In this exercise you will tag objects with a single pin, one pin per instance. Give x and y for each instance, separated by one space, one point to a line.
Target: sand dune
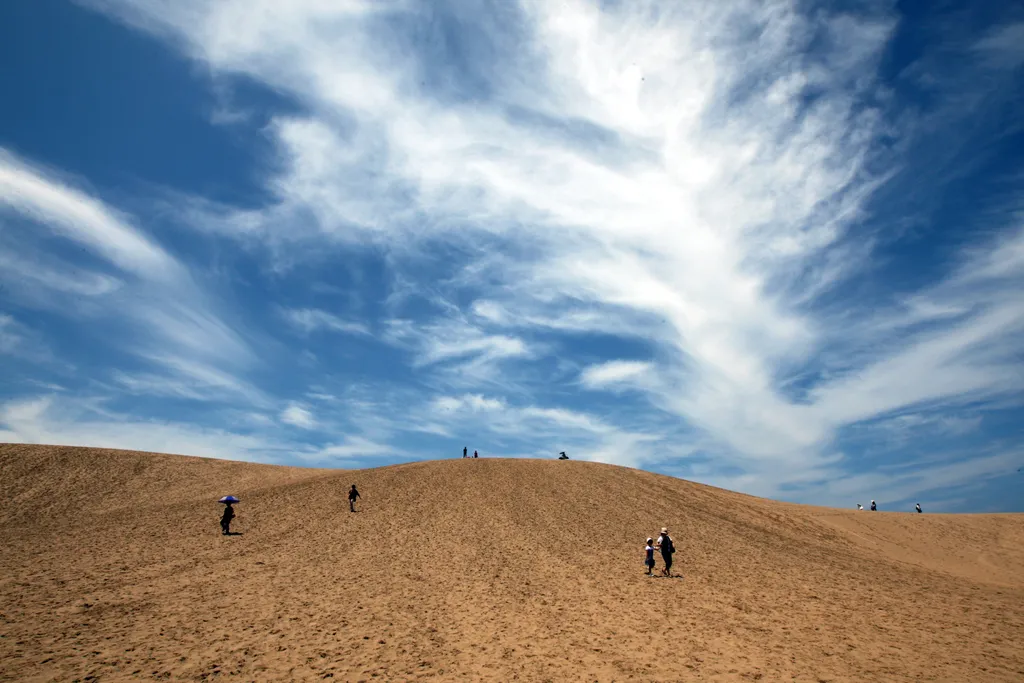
112 568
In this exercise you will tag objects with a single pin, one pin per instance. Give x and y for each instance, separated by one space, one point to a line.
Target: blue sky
772 246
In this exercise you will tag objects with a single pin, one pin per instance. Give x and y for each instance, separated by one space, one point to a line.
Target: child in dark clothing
352 495
225 520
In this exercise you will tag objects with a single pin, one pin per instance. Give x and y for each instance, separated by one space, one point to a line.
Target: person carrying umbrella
229 514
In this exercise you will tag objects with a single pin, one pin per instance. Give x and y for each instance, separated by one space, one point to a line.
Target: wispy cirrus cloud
37 194
311 320
172 321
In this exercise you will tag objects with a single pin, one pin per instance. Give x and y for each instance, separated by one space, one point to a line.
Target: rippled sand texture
112 567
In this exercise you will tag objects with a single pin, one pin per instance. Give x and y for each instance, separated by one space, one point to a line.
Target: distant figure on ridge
352 495
873 506
649 556
666 547
465 452
859 506
918 507
563 456
229 514
475 454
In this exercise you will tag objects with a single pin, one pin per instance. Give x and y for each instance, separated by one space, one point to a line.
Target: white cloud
614 372
28 191
161 314
1003 47
190 379
349 449
18 273
66 422
471 402
9 337
310 320
463 353
298 416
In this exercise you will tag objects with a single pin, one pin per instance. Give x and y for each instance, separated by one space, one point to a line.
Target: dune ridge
112 568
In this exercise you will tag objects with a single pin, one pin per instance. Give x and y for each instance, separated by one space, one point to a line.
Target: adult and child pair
666 547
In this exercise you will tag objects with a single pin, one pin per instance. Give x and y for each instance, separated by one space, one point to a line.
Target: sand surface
112 567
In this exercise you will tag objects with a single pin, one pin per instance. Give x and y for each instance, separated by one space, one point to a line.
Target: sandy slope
112 567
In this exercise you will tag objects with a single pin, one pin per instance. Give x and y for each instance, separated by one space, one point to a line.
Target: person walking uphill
352 495
667 548
229 514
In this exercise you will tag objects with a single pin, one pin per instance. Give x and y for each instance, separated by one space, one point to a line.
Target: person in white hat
649 556
666 547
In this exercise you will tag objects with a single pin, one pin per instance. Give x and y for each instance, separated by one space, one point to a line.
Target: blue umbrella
228 499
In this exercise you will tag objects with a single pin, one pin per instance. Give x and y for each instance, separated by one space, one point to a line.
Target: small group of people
465 453
874 507
663 545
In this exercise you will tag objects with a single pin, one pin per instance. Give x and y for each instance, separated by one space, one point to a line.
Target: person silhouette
352 495
563 456
465 452
918 507
475 454
873 506
667 548
225 519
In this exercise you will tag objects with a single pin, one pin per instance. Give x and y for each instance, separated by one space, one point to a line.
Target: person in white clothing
649 556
